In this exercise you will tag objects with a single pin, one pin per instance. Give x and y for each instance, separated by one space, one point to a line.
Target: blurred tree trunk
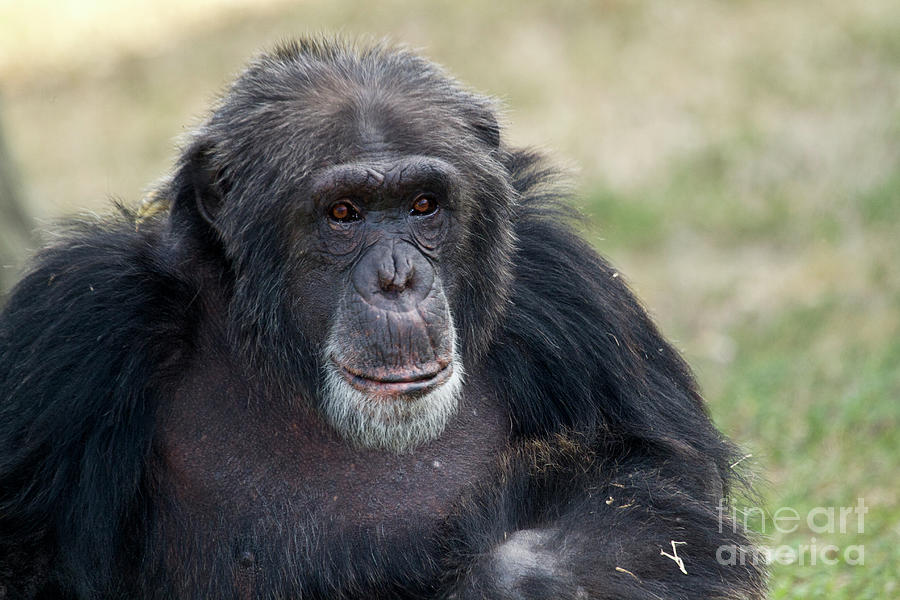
15 224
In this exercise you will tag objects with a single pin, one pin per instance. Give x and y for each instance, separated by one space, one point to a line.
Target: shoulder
88 324
83 339
87 328
100 282
577 350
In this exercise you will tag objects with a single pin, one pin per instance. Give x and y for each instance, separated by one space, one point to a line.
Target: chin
391 417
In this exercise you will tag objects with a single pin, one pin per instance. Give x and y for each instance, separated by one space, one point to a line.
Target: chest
229 457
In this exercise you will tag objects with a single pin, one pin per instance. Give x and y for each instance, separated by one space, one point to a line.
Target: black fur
612 455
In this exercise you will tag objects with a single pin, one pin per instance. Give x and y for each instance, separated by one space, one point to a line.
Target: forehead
334 108
284 125
355 122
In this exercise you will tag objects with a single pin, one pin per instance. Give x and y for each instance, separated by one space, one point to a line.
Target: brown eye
423 205
343 212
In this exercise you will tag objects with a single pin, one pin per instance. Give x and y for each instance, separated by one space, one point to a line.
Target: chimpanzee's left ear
199 190
486 126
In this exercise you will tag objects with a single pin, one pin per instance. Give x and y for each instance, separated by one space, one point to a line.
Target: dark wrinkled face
392 372
363 214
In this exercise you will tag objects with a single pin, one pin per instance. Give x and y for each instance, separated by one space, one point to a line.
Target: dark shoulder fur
578 351
83 340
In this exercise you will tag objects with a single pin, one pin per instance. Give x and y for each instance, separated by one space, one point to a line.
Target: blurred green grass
739 161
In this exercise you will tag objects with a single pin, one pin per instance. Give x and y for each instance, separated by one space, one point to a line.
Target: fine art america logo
821 520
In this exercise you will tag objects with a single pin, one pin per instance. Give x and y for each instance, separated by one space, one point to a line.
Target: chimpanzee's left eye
423 204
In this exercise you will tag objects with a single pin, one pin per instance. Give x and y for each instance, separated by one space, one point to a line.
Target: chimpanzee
360 353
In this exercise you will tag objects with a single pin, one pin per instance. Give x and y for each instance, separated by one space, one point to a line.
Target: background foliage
739 161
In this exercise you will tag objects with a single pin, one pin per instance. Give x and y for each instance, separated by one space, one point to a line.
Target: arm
77 343
569 524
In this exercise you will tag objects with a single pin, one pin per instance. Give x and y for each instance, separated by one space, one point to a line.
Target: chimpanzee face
368 228
392 373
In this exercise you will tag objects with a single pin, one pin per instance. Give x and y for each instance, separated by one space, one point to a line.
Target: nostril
398 280
387 277
392 289
385 281
391 293
404 275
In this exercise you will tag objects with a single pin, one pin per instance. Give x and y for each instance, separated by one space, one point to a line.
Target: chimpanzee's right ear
199 190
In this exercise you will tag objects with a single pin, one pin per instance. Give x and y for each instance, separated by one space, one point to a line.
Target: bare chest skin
232 458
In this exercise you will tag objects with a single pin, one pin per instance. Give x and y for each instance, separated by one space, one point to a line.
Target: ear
486 127
199 191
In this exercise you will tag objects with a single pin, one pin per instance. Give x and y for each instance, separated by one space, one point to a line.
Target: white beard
399 423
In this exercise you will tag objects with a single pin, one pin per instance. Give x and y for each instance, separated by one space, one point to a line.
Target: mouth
396 383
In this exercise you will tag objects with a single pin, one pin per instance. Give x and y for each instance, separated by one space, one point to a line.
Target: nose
396 271
393 275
